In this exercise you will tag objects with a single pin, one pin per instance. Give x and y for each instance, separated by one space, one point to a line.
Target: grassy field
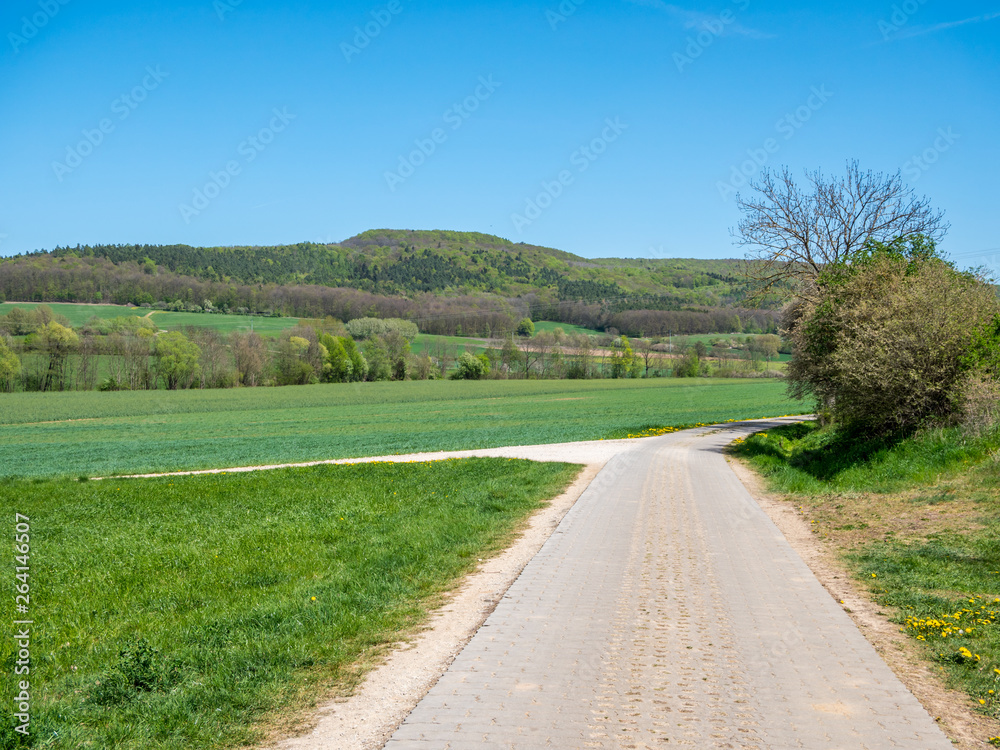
544 325
917 522
78 314
71 434
426 343
194 612
171 321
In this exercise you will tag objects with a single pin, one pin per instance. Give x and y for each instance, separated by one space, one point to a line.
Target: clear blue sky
692 90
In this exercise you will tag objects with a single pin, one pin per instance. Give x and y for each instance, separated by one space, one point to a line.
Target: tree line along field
70 347
99 434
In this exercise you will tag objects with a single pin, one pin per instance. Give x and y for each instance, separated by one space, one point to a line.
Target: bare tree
250 357
792 232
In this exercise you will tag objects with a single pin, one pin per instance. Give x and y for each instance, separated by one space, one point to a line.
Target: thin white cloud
694 19
907 33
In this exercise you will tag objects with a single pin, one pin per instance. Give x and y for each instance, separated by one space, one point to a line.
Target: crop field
171 321
545 325
426 343
197 612
98 434
78 314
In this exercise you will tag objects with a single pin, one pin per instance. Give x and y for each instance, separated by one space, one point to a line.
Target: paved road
668 611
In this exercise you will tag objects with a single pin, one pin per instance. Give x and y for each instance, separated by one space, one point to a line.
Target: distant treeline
41 351
47 278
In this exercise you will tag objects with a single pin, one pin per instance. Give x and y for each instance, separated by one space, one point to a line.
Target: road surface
667 610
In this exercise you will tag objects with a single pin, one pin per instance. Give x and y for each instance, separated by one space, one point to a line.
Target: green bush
883 342
367 328
472 367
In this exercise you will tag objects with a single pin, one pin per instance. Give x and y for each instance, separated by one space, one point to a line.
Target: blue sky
602 127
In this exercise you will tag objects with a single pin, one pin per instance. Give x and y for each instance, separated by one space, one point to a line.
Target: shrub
368 328
883 344
980 403
472 367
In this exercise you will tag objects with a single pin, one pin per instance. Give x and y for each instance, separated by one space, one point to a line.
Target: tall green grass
187 612
805 459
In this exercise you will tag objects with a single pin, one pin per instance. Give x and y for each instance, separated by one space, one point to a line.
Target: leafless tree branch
792 232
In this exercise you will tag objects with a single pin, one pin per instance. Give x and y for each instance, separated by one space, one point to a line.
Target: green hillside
402 262
448 283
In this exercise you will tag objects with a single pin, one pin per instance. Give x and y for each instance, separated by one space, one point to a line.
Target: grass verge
194 611
917 522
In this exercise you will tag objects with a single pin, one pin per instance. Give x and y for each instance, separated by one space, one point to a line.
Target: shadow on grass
821 453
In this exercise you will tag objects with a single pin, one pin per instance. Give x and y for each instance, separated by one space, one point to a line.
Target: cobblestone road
668 611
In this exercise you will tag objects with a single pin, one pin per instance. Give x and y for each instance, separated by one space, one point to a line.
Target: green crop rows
72 434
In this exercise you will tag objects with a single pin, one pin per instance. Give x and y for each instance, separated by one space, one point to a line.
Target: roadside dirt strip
668 610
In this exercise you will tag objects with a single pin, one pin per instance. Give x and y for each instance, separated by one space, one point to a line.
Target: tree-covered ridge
403 263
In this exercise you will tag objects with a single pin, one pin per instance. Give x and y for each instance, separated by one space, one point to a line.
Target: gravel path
668 610
589 452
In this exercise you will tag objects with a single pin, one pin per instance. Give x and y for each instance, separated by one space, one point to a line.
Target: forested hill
447 282
400 263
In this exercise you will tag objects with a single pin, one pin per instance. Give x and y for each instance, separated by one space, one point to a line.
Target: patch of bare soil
821 546
366 719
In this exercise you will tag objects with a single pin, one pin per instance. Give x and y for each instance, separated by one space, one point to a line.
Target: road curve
667 610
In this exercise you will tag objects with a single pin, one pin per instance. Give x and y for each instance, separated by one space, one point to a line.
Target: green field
545 325
170 321
71 434
77 315
173 321
426 343
253 594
